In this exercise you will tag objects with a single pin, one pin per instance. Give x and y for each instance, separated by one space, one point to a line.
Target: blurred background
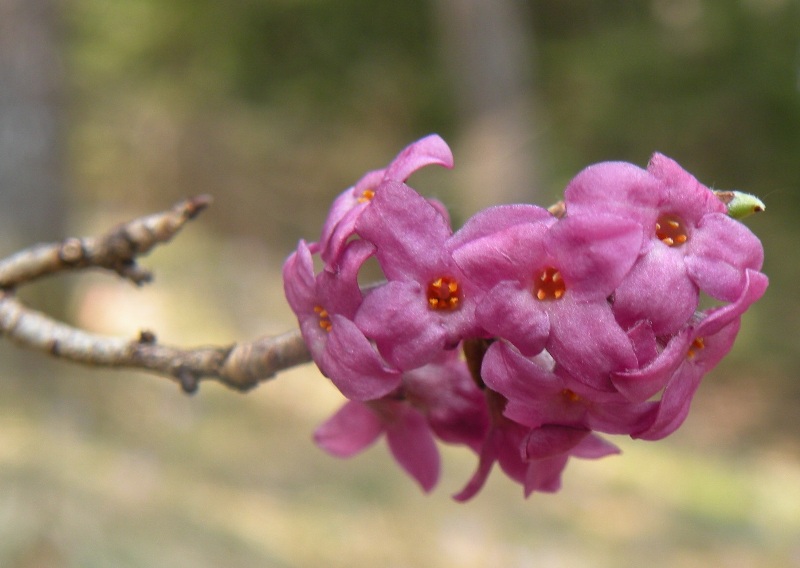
111 109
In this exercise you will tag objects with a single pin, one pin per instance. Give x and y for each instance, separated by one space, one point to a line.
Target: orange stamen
324 318
671 231
444 293
366 195
549 285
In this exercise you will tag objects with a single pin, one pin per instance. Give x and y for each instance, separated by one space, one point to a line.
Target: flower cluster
528 332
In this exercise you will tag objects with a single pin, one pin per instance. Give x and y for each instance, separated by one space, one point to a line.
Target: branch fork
240 366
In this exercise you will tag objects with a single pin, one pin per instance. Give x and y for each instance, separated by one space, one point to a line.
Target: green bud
740 204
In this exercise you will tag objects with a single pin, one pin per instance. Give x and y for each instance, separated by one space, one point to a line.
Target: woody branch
240 366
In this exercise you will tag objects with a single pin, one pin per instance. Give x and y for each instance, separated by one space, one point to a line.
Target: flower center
696 346
549 285
570 395
444 293
671 231
366 195
324 318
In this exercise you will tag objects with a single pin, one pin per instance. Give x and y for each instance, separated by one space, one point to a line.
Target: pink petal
427 151
353 428
353 365
721 249
657 290
587 342
513 314
551 440
409 232
412 445
593 252
299 283
499 218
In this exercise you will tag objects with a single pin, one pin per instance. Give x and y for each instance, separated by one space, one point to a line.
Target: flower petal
619 188
513 314
657 290
407 333
353 428
353 365
409 232
721 250
430 150
499 218
299 283
411 442
587 342
512 254
593 252
551 440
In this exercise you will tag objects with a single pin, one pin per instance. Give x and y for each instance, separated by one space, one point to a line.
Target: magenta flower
439 400
546 285
341 221
357 425
690 243
538 396
452 403
686 359
571 326
648 380
325 305
535 458
554 445
426 306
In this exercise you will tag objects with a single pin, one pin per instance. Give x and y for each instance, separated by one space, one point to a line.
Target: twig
240 366
117 250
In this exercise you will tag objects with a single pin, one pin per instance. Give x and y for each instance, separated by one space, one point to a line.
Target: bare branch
117 250
240 366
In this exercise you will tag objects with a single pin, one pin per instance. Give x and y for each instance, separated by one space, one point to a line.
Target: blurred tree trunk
31 190
31 180
488 48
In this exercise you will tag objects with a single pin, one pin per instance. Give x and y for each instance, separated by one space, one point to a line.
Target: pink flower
643 383
341 221
536 457
357 425
439 400
690 243
427 304
325 305
571 327
539 396
452 403
545 285
686 359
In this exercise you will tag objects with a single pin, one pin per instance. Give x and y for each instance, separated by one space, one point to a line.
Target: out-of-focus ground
274 108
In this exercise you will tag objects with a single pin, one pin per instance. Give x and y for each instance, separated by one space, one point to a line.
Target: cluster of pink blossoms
524 334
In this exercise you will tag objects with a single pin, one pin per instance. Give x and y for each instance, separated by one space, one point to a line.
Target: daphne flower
539 396
690 243
436 401
686 359
325 305
346 208
645 382
427 304
452 403
357 425
535 458
546 285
